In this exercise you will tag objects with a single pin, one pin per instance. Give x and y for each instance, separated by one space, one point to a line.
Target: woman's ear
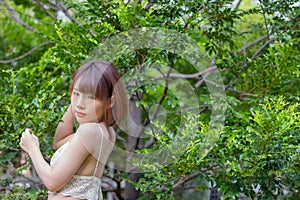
112 101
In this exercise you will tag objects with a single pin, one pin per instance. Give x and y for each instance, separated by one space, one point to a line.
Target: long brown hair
101 79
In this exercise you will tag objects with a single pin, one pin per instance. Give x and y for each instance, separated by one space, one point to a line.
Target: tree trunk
215 194
135 129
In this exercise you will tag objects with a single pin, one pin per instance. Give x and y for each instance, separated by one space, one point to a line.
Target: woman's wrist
34 151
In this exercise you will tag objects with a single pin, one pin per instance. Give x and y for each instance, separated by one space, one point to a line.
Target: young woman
98 103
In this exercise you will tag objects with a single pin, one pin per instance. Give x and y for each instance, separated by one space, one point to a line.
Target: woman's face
86 107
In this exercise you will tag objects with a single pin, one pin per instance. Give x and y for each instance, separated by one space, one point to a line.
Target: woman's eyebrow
76 89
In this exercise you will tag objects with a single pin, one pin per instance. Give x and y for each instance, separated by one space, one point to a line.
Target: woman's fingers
26 139
27 130
29 141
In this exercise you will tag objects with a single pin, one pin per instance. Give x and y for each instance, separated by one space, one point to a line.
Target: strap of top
101 144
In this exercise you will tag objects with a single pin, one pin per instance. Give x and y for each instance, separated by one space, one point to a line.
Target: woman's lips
79 114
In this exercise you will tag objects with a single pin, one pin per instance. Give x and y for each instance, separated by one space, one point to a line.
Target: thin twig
187 23
188 76
242 93
165 92
24 55
265 19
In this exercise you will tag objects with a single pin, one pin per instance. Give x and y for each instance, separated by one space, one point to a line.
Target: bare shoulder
96 131
88 128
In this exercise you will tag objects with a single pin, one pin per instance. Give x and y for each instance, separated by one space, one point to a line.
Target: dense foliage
253 44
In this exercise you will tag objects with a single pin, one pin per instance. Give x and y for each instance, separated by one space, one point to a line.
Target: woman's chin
80 121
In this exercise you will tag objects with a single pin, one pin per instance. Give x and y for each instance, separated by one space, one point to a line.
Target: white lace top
83 187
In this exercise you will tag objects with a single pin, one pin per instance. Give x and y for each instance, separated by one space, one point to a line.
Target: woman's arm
64 130
56 176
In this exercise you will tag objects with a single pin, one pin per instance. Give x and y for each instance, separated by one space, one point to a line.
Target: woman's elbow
55 145
52 187
53 184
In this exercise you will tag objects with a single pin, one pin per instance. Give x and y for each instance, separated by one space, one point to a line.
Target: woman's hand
29 142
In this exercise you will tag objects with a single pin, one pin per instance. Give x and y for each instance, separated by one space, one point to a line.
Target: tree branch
254 56
150 143
252 44
165 92
24 55
66 12
238 4
193 175
203 107
187 23
61 6
265 19
262 48
188 76
47 11
16 17
111 177
206 73
242 93
185 179
53 5
203 73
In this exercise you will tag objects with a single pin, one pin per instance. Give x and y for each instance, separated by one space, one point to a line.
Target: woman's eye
76 93
91 97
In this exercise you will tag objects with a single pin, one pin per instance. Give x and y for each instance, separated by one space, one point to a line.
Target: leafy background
255 46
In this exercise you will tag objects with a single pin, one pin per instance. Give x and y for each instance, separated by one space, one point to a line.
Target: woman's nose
80 103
